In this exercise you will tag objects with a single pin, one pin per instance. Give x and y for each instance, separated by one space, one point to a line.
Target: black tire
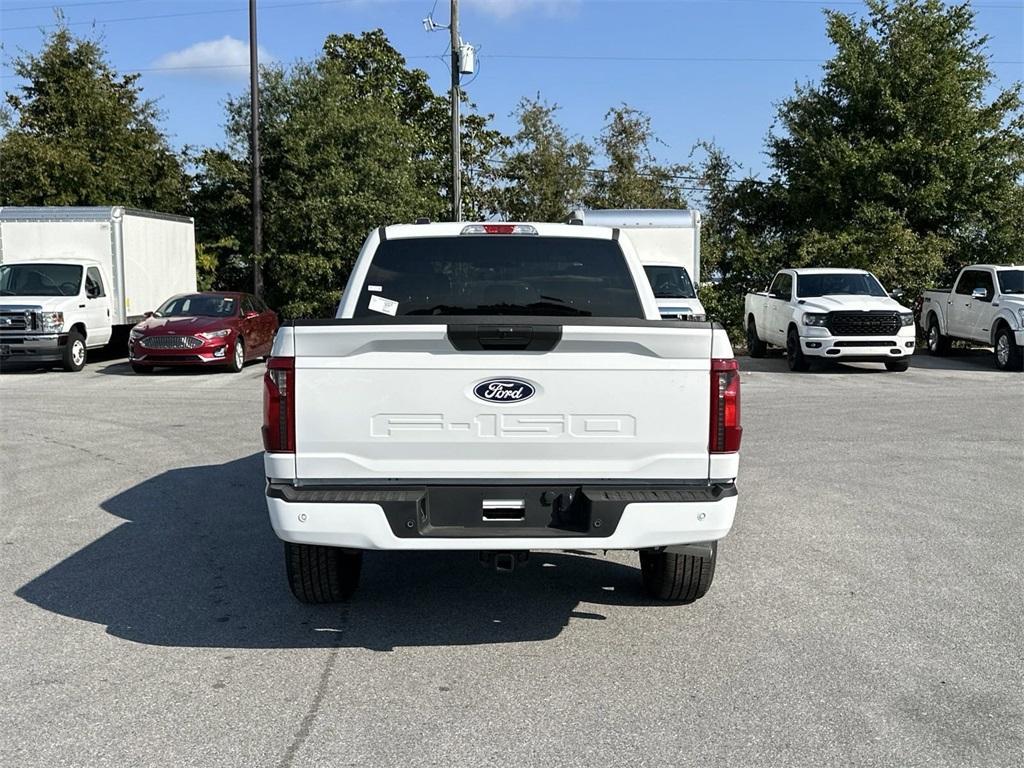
938 344
322 574
794 354
143 369
897 366
75 353
1009 356
755 347
237 362
677 578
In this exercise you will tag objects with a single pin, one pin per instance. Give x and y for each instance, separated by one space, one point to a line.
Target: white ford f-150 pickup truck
500 388
829 314
984 306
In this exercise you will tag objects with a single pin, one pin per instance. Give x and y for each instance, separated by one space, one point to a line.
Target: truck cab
54 310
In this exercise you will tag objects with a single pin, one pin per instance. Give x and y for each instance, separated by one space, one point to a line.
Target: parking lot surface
867 608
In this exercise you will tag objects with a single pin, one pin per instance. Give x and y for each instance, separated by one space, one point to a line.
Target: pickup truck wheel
321 574
677 578
794 354
755 347
937 343
74 352
1009 356
897 365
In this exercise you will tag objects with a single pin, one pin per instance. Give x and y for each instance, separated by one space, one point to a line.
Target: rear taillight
725 407
279 405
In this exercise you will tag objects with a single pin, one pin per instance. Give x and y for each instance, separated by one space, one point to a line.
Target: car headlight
51 322
815 318
136 334
215 334
906 318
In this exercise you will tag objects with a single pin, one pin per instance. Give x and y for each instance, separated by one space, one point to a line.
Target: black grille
864 323
16 320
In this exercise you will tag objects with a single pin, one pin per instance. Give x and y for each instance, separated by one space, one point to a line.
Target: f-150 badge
504 391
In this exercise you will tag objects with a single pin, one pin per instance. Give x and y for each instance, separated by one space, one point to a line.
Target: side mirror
897 294
250 315
979 293
147 314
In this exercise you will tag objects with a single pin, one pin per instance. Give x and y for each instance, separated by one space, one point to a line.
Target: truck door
778 312
980 311
96 308
959 318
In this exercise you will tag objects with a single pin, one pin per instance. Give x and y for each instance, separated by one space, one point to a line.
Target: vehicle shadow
775 362
958 360
103 355
196 564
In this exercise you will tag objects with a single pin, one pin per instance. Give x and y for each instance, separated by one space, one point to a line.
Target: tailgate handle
531 338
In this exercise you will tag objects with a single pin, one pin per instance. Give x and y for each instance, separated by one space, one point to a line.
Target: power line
50 6
659 59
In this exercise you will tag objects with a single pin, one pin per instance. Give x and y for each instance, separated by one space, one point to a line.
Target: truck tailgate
386 402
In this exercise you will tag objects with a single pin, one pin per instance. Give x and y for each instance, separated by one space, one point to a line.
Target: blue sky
702 69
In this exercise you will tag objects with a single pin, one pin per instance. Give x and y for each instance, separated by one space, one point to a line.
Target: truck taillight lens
725 407
279 405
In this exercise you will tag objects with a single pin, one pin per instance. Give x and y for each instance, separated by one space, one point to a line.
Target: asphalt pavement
868 607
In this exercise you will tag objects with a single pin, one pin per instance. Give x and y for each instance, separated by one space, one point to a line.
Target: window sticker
384 306
375 288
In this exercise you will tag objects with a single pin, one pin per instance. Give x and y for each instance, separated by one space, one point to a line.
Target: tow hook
503 562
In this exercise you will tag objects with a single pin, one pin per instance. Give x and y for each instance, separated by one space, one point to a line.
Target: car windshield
40 279
838 284
199 305
1011 280
670 282
499 275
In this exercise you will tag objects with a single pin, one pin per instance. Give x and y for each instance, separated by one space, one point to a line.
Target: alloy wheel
239 354
1003 350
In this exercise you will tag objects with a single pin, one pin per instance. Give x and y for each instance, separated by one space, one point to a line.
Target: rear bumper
35 347
399 518
818 342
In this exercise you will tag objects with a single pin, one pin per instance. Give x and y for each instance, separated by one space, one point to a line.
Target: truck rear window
499 275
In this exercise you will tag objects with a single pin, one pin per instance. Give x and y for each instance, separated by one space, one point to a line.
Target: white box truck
73 277
668 244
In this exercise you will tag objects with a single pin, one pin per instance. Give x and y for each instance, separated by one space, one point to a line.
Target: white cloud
224 58
505 8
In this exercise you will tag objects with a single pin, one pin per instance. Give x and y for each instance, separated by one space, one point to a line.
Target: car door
959 318
96 307
779 296
249 325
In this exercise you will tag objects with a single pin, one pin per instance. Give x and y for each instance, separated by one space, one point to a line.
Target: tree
77 133
634 178
898 161
351 141
544 172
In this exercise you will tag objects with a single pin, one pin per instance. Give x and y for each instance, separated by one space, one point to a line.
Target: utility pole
254 150
456 130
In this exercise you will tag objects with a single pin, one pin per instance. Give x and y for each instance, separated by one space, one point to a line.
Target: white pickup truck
829 314
985 306
500 388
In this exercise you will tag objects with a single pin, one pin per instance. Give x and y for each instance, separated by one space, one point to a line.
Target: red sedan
220 329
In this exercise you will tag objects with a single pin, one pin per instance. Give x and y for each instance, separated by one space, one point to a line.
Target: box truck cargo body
71 277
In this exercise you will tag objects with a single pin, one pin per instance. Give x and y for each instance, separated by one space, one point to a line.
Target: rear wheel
755 347
794 354
677 578
74 352
897 365
938 344
1009 356
321 574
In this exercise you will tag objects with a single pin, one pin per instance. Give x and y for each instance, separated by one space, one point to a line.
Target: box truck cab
71 279
667 242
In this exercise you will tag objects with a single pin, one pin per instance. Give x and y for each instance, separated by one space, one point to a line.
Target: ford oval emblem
504 390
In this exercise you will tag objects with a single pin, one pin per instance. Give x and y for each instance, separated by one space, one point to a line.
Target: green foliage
77 133
351 141
544 172
634 178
